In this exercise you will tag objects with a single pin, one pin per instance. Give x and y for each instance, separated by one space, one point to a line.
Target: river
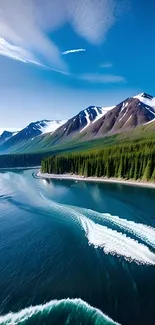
75 252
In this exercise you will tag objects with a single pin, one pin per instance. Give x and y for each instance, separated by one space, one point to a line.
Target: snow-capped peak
35 129
46 126
146 99
99 112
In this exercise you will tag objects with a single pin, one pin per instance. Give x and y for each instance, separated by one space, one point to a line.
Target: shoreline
18 168
95 179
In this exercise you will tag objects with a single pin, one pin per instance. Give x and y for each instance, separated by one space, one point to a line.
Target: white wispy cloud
102 78
16 52
73 51
106 65
21 25
92 19
19 54
27 24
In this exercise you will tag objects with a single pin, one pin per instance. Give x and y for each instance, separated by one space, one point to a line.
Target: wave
116 243
141 231
111 241
64 312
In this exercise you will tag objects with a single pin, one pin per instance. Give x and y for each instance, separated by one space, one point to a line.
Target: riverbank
18 168
95 179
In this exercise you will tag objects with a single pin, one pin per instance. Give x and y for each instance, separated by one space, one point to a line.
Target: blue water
72 253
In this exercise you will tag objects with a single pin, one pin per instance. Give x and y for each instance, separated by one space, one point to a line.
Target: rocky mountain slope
33 130
6 135
125 116
79 123
99 122
91 123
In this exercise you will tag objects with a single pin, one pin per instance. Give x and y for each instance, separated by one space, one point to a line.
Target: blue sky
58 57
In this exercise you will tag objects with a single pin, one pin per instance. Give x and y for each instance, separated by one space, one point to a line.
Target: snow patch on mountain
88 120
153 113
100 112
124 106
122 116
104 111
49 126
14 133
149 122
128 119
146 99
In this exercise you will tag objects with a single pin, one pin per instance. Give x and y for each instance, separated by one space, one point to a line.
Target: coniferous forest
129 161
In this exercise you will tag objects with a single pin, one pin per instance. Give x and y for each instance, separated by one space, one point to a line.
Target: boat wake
110 240
141 231
135 242
124 239
116 243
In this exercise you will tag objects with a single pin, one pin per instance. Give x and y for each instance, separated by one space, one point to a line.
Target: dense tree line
20 160
130 161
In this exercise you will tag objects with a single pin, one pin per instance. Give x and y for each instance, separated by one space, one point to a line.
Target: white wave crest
111 241
116 243
141 231
25 315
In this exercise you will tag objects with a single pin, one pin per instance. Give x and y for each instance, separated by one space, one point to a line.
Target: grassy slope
43 146
47 143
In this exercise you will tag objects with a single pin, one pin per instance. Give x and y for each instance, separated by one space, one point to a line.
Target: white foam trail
26 314
112 242
141 231
116 243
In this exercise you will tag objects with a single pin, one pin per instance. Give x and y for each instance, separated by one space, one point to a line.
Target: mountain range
6 135
91 123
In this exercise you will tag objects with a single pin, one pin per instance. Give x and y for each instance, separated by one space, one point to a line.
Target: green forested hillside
130 161
34 157
46 143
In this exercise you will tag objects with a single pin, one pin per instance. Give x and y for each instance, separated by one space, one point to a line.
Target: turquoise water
75 252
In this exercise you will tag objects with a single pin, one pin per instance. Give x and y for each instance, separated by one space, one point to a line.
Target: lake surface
74 252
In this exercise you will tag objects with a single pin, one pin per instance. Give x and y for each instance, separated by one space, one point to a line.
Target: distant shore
95 179
18 168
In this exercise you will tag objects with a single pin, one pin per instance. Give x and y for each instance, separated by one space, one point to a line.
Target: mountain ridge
90 123
31 131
